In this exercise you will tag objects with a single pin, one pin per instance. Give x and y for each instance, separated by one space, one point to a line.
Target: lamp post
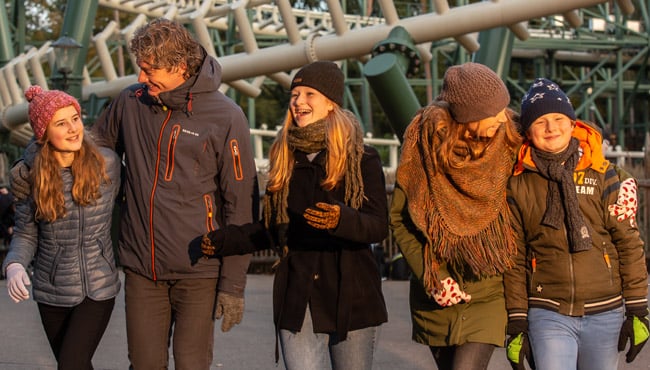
66 51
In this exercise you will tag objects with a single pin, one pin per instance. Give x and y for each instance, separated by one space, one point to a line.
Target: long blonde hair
342 134
88 171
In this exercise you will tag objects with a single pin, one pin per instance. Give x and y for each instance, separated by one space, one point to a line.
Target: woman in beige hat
450 218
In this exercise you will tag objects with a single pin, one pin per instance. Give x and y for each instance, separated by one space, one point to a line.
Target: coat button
316 276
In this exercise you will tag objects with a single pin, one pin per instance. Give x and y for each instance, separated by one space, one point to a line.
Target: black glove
518 346
635 328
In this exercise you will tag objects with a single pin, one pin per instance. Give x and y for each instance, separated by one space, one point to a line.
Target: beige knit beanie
473 92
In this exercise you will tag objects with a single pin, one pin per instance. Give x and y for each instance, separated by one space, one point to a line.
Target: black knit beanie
544 96
324 76
473 92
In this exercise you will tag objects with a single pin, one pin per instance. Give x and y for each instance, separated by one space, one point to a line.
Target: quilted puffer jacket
73 256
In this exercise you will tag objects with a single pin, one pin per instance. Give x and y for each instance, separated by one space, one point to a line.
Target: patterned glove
450 294
231 309
518 346
20 181
635 328
207 248
17 282
325 216
626 204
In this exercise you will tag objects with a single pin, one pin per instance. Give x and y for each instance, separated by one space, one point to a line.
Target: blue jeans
564 342
306 350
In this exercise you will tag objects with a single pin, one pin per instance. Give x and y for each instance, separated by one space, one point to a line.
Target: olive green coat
482 320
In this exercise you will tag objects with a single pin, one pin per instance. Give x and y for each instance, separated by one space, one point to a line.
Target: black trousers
74 332
468 356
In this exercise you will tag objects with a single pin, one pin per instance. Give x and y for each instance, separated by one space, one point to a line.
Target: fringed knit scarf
312 139
463 213
562 201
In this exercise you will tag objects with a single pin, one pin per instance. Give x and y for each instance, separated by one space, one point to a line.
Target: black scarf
558 170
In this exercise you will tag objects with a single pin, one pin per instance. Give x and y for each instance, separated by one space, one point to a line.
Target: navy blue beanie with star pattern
544 96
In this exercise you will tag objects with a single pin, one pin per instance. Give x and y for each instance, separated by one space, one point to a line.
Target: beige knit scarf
462 213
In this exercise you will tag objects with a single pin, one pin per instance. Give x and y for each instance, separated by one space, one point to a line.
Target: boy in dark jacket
578 264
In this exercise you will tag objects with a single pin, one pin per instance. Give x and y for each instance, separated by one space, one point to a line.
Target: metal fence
634 162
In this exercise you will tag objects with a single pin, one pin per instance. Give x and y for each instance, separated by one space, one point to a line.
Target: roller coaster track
300 36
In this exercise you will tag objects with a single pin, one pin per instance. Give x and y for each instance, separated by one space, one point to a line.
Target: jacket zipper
171 149
209 212
236 158
152 245
572 285
82 259
533 267
608 262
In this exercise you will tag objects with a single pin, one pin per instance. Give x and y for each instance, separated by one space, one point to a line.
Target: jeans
306 350
564 342
180 310
75 332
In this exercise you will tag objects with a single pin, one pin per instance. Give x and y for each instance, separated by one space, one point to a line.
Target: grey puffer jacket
73 256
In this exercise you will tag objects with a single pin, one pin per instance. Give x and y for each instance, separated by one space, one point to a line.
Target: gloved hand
635 328
17 282
207 248
518 346
626 204
20 181
325 216
450 294
231 308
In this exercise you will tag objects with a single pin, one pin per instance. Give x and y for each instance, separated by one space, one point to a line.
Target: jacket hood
181 98
591 146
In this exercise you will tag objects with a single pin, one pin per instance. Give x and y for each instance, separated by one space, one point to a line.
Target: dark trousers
74 332
468 356
178 309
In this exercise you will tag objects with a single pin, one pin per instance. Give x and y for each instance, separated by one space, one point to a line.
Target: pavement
248 346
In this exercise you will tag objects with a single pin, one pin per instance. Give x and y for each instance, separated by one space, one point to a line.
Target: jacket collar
591 150
207 80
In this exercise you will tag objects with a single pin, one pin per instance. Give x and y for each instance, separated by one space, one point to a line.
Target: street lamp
66 51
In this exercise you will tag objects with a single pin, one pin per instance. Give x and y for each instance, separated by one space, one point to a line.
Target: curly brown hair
167 44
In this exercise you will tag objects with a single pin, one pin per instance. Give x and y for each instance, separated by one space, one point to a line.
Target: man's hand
20 181
450 294
626 204
324 216
231 309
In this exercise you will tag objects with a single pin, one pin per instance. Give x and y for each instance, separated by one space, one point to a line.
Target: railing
624 159
391 148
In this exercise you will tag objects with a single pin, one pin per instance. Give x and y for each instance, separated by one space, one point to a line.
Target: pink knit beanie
43 104
474 92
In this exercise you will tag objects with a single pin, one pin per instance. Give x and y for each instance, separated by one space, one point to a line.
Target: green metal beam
6 43
78 24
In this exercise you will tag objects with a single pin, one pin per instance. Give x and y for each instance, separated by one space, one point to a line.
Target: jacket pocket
608 264
55 263
236 159
110 262
171 149
209 213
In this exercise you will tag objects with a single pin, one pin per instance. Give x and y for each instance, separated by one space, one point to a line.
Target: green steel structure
394 53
